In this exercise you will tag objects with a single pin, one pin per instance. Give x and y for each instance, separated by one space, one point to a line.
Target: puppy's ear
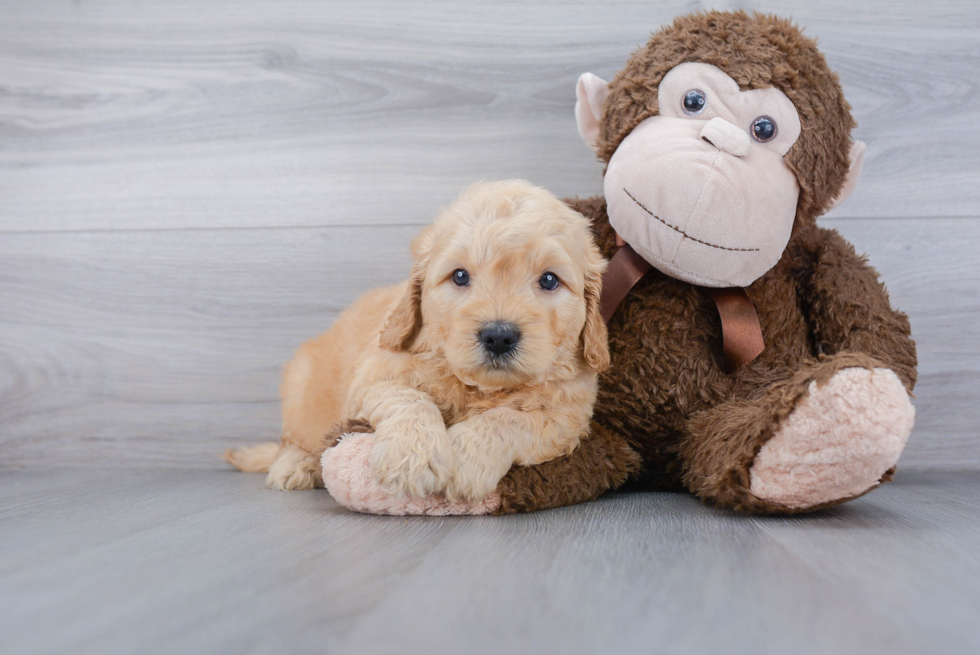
595 345
405 321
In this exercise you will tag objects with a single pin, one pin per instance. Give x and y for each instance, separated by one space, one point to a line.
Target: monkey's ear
853 173
590 95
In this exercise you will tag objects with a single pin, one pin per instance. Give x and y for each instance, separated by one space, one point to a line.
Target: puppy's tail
253 459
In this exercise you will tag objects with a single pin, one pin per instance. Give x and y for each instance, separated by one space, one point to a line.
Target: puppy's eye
461 278
549 281
763 129
694 101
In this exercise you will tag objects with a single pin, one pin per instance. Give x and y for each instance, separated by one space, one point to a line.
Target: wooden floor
170 561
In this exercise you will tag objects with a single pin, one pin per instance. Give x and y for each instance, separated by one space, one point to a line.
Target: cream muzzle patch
676 186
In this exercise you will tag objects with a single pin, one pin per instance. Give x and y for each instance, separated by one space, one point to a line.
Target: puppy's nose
499 338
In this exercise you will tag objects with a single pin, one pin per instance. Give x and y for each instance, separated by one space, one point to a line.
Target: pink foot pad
347 476
838 442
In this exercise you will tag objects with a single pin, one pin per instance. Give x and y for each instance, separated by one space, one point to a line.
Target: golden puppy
486 357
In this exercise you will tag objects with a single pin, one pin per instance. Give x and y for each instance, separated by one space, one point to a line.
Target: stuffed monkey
756 360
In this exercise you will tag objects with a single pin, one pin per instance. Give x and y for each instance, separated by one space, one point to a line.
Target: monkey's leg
603 461
829 433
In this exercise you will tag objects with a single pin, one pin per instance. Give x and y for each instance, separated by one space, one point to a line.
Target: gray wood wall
188 189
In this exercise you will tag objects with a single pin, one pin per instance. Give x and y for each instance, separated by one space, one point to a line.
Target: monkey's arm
603 461
849 308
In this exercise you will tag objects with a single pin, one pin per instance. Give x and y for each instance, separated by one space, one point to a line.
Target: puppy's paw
416 465
477 466
473 481
348 478
294 470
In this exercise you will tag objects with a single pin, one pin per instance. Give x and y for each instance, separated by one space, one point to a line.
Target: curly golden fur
447 415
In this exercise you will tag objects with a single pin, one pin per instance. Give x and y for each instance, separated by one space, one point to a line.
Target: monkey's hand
347 476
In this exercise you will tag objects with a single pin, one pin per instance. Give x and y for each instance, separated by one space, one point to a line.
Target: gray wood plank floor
156 561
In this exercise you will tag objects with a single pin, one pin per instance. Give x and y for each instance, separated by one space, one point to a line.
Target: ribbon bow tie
740 329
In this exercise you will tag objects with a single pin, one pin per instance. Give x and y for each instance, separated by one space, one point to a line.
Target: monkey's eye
763 129
694 101
549 281
461 278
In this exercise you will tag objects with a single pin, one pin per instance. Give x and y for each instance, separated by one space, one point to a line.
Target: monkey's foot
347 476
838 442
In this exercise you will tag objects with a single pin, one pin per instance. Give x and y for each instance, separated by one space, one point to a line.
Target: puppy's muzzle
499 339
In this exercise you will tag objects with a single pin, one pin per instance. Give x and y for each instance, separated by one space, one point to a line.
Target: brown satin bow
740 327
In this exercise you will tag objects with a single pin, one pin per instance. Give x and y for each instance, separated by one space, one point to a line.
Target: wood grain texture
164 347
189 189
932 272
122 561
251 113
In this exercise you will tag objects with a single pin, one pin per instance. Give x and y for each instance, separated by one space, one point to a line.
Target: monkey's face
709 167
701 191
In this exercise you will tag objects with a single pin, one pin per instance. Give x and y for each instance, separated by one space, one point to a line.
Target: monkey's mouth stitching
682 232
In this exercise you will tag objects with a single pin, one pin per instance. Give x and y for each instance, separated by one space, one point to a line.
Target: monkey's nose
726 137
499 339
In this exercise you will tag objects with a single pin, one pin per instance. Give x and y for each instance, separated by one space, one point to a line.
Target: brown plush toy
725 137
756 360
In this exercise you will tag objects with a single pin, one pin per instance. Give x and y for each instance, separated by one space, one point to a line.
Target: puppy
485 358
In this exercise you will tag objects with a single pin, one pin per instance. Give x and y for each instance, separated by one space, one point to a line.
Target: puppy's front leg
485 446
411 447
